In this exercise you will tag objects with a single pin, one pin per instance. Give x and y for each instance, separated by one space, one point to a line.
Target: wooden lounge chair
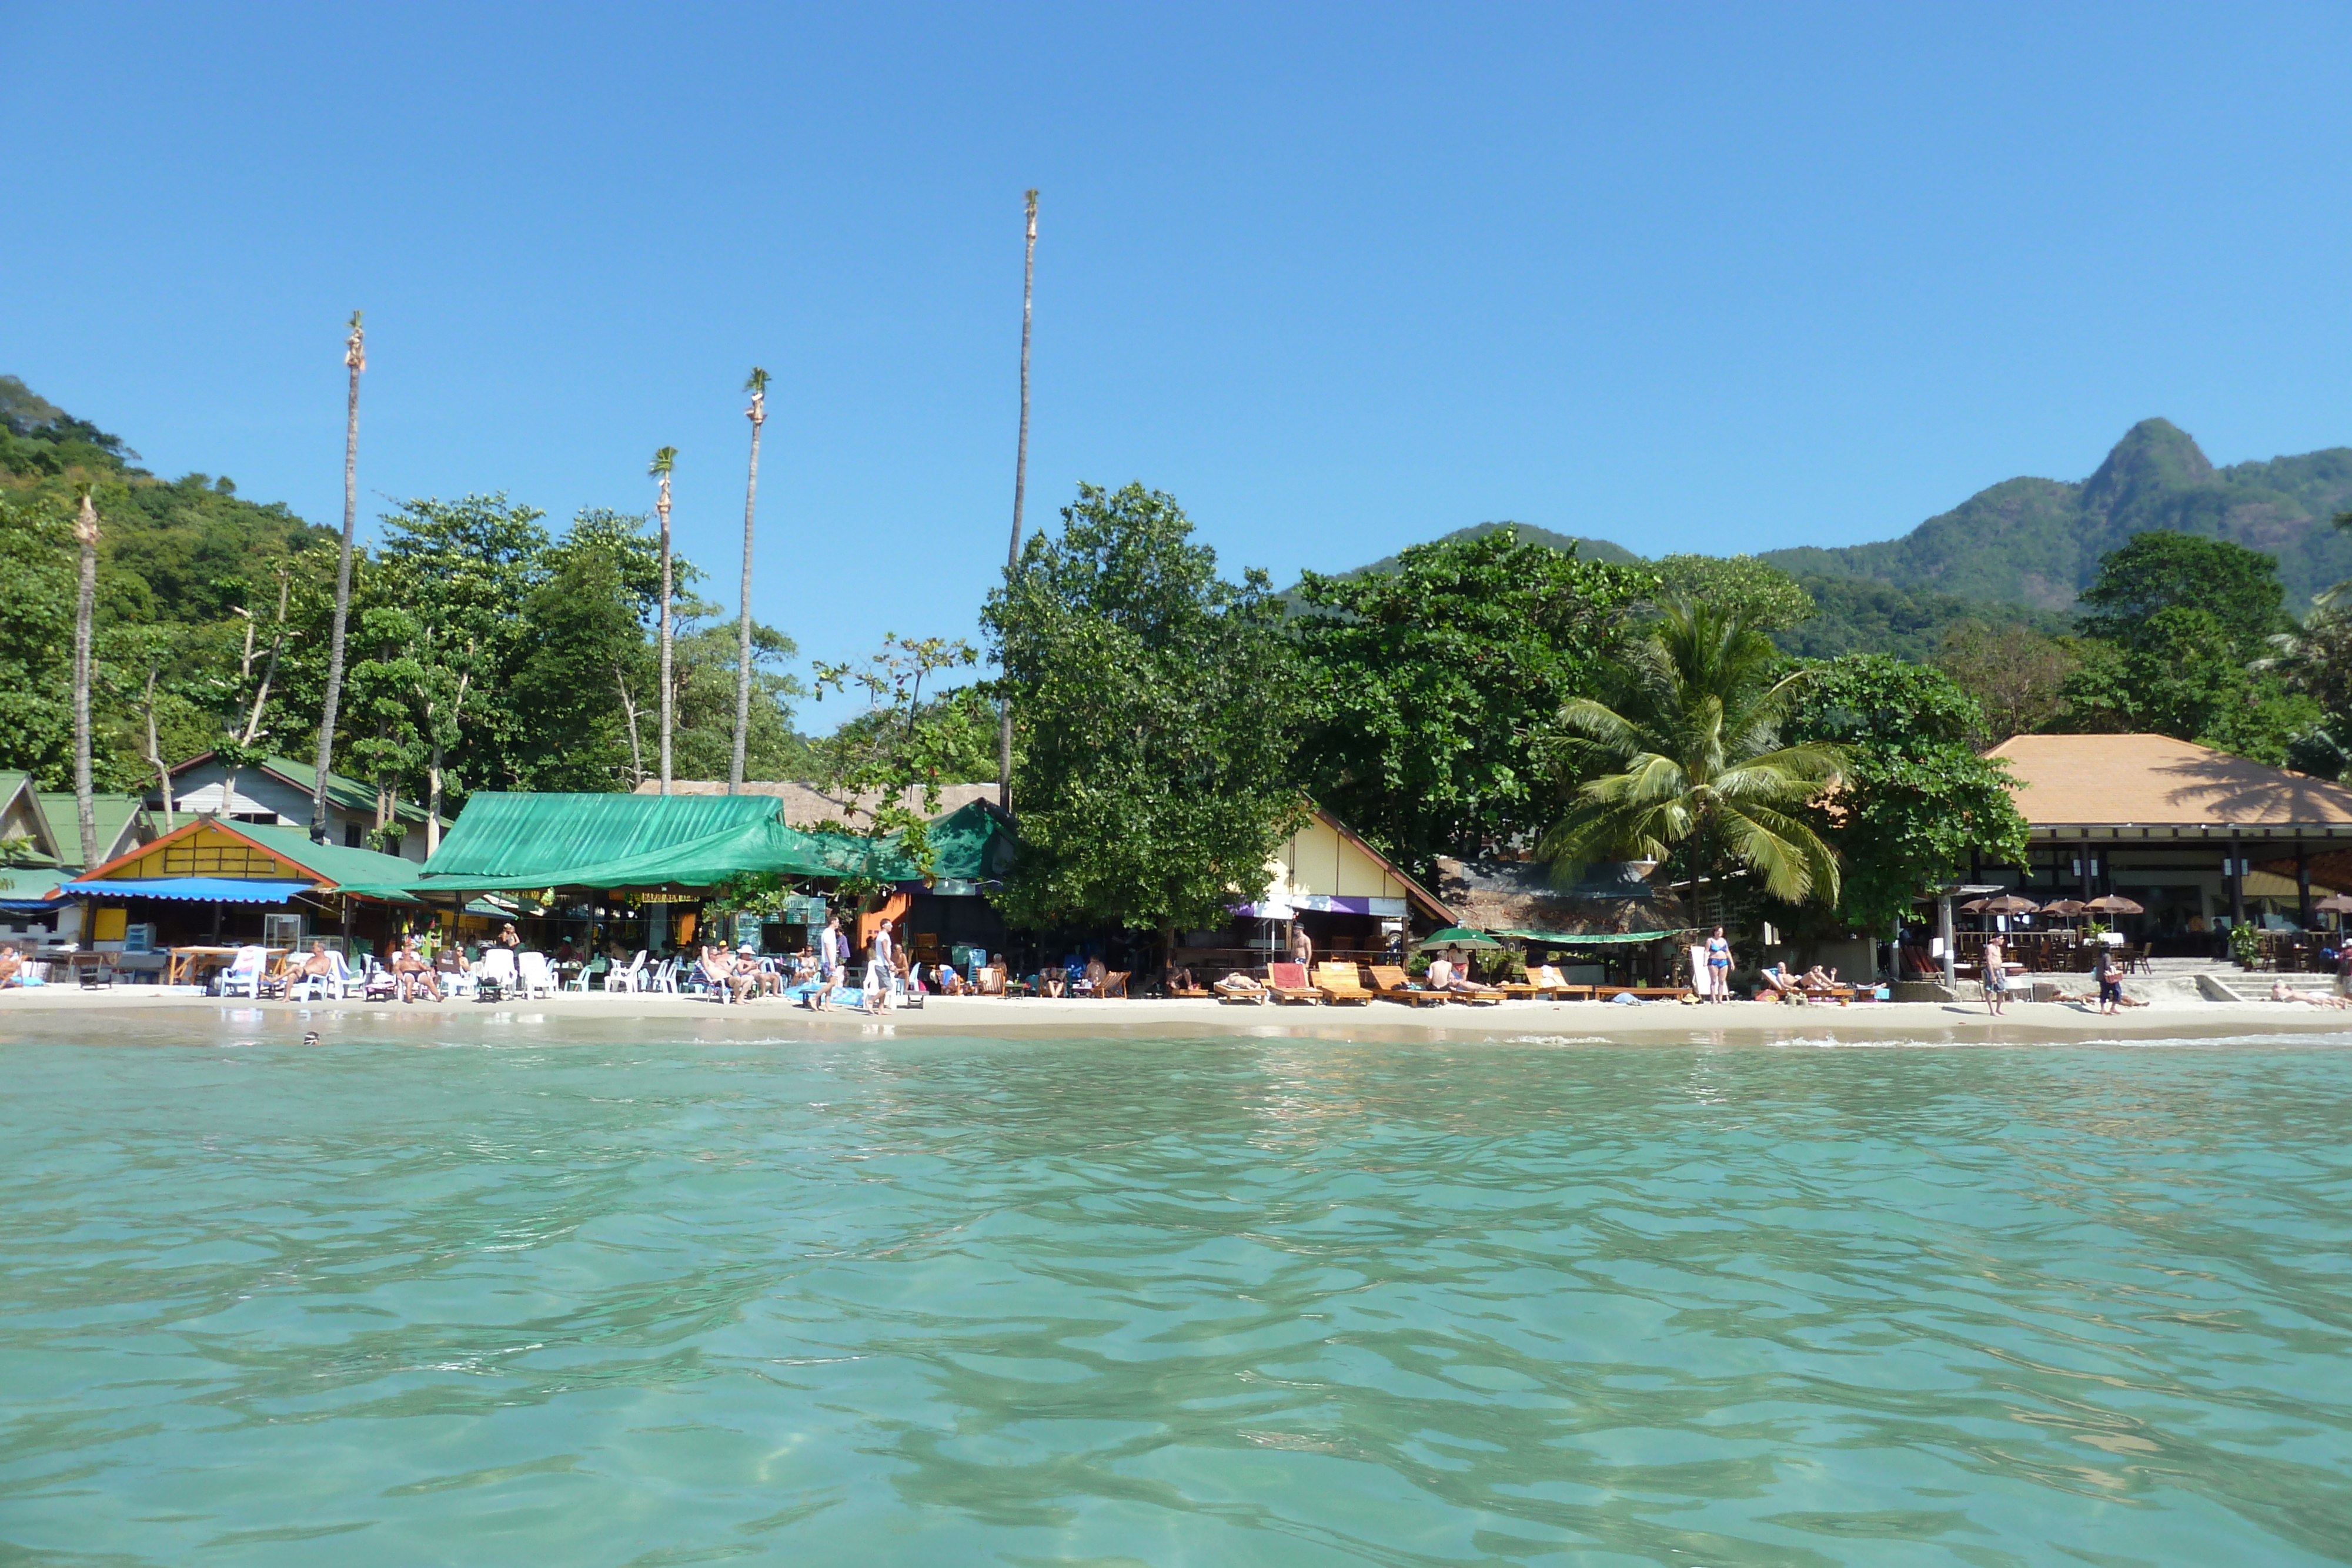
1287 982
1191 993
1389 982
1542 981
1115 983
1340 984
1249 993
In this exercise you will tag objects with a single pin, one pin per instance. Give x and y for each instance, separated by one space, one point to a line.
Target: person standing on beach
1302 947
2111 981
831 953
1996 975
1718 967
878 969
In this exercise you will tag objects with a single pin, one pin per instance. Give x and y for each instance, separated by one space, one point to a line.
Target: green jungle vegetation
484 650
1500 689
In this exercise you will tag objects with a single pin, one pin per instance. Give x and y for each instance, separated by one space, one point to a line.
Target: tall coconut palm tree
85 607
1688 754
757 385
1020 487
664 460
355 361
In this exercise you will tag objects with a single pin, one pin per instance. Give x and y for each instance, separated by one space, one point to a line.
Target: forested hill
2038 541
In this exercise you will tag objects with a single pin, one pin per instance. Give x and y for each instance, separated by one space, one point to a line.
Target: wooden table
187 961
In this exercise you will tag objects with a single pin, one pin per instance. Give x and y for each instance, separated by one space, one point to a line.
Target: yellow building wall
207 851
1317 860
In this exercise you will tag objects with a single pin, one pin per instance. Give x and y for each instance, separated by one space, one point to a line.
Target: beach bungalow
1353 903
40 847
2199 838
167 907
277 793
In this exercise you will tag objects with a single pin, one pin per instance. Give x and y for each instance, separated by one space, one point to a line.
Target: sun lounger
1115 983
1288 984
1340 984
1389 982
1542 981
1247 992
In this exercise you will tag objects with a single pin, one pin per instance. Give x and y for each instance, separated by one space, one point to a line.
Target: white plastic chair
628 979
243 974
538 979
457 982
578 982
499 968
332 986
664 978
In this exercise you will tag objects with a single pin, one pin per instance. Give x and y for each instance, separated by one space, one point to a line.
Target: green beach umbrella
1459 936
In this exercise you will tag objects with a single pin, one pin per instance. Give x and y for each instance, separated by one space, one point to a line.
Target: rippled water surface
515 1299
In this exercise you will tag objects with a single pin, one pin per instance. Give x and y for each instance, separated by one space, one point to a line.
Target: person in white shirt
878 969
831 954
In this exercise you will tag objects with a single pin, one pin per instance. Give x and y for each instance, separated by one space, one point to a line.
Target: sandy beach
131 1015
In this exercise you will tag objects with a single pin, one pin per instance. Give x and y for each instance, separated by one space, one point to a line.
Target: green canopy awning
1596 938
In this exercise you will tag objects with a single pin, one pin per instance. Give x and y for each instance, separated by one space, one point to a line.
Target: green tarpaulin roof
526 841
532 837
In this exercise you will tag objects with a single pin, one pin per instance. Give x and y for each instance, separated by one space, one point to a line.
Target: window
352 836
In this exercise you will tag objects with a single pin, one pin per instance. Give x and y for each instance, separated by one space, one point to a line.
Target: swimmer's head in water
311 1037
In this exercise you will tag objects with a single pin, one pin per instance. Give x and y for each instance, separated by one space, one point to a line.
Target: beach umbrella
2006 904
2113 904
2334 903
1459 936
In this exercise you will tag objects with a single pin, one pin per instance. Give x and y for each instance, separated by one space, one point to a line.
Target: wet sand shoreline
52 1014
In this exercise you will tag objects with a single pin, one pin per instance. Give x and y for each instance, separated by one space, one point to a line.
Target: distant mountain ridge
2037 542
2034 544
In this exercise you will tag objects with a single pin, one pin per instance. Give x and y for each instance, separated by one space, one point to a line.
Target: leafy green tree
1768 598
36 639
2180 675
1914 799
458 574
2158 573
1427 686
706 654
1687 760
1156 699
2016 676
901 747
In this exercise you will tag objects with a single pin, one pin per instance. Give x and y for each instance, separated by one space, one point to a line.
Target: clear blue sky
1341 279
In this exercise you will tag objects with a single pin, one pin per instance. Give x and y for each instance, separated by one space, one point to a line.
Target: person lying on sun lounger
1779 982
2282 992
1239 985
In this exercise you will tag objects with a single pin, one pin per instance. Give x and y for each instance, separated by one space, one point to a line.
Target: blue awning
194 889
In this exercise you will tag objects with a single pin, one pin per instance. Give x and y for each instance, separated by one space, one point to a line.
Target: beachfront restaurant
173 909
636 872
2200 841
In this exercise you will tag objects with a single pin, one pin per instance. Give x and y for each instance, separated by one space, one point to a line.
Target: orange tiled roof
2155 781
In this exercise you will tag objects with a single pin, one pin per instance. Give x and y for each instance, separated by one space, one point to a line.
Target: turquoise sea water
507 1299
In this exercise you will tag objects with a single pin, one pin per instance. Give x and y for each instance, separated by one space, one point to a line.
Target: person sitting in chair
11 967
318 962
412 974
1779 982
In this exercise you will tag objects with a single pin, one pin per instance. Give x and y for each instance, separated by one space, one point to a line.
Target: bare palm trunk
1020 490
85 607
758 414
155 749
663 461
354 357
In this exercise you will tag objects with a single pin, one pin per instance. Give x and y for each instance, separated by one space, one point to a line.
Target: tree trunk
85 607
155 751
629 707
356 357
1020 490
758 414
667 705
433 802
